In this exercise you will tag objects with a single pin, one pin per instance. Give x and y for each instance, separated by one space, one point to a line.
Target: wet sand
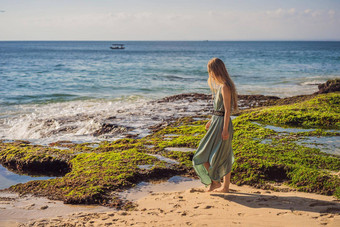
15 209
242 206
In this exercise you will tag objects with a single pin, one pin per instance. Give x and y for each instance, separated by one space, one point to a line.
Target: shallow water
291 129
182 149
175 183
147 166
327 144
281 129
165 159
8 178
21 209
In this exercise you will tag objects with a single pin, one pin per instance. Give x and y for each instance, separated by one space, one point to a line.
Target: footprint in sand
297 212
184 213
176 206
153 213
281 213
160 210
123 213
196 190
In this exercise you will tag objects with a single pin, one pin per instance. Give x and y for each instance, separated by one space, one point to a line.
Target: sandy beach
243 206
116 113
159 187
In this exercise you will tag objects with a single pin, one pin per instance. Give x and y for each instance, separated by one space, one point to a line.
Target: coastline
243 206
317 203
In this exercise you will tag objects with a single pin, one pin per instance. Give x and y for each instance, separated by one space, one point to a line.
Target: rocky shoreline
94 173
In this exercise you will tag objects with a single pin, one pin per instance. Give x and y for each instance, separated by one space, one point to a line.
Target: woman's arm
226 94
207 125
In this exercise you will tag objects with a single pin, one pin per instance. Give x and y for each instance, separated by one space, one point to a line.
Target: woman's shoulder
224 88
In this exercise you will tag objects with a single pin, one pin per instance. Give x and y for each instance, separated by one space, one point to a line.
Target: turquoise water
8 178
66 90
51 71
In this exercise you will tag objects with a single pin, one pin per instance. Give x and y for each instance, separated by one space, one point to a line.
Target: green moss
112 166
183 130
93 175
184 158
321 111
181 141
26 152
119 145
317 132
283 159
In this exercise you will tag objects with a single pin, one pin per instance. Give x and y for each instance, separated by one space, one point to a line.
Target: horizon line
188 40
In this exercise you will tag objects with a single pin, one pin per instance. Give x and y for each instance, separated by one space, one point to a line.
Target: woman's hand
207 125
225 134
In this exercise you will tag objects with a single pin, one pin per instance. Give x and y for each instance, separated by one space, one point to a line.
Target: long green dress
213 149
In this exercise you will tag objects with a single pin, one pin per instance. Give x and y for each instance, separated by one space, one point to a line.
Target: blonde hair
218 75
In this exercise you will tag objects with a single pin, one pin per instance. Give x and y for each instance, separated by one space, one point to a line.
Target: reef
329 86
93 173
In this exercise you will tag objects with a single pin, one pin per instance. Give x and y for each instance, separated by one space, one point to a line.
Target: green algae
321 111
120 145
184 158
283 159
96 172
184 130
34 159
26 152
93 176
317 132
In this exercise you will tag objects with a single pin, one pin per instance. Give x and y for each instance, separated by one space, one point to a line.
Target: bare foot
224 190
214 185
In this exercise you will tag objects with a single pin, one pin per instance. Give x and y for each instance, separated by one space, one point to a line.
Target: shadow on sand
292 203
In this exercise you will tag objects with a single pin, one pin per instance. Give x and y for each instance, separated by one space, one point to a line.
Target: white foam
78 120
313 82
280 90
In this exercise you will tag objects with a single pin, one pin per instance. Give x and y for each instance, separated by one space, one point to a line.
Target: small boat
117 46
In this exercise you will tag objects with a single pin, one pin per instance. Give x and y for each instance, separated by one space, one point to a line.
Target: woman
214 156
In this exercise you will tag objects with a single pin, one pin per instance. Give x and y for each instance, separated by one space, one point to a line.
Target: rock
187 96
44 207
111 128
129 135
329 86
30 206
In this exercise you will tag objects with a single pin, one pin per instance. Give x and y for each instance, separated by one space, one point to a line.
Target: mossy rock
97 172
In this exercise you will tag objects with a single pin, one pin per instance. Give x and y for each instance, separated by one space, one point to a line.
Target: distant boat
117 46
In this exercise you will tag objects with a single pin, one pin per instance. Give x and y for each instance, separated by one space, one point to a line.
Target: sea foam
81 121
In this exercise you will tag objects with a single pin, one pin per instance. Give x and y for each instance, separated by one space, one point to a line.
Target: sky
170 20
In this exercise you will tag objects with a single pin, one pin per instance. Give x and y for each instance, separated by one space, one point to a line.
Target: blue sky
169 20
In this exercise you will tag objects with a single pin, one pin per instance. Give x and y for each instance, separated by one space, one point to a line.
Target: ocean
65 90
